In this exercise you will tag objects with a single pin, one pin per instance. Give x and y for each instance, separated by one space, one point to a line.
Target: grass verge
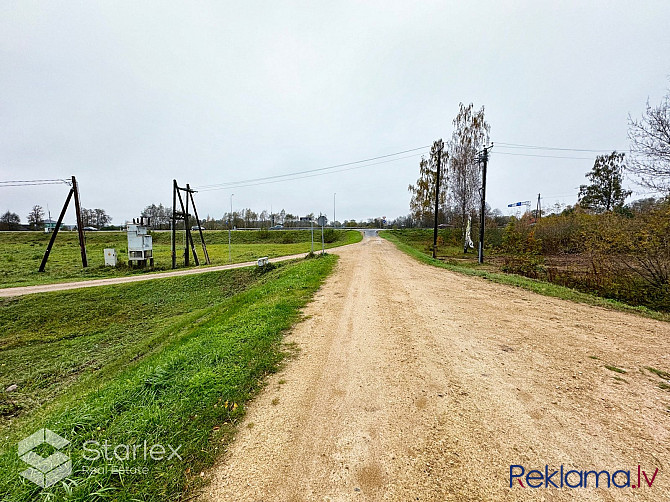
21 252
540 287
186 390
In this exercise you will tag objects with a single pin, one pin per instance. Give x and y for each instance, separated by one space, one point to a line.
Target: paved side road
43 288
415 383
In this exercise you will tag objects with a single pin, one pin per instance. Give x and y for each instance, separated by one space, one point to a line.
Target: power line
543 156
246 182
18 183
306 176
537 147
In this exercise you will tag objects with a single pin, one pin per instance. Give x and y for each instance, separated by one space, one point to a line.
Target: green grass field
414 243
21 252
170 361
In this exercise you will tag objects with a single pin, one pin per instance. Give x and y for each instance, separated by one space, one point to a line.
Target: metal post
80 223
437 199
55 230
482 221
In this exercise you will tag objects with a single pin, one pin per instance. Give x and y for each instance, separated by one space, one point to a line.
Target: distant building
49 225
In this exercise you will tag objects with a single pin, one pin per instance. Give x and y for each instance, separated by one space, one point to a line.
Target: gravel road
415 383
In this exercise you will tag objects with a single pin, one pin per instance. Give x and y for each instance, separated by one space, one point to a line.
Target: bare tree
650 146
471 134
159 214
36 217
10 221
97 218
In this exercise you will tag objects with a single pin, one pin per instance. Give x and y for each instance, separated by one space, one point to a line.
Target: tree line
95 218
460 178
648 164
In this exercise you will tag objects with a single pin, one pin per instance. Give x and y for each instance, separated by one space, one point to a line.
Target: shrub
523 251
329 235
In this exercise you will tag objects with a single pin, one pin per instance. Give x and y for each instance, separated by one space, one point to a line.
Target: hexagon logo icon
48 471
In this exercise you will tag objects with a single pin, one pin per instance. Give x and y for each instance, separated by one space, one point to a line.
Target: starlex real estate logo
45 472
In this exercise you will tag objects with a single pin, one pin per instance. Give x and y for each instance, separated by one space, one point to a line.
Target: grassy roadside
540 287
187 389
21 252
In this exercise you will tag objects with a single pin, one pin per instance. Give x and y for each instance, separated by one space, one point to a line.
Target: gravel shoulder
416 383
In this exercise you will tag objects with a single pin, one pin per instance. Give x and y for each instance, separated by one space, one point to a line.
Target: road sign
322 221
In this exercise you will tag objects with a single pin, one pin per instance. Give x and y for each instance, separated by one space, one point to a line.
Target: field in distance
22 252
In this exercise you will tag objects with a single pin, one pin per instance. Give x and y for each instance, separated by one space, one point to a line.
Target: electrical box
140 245
110 257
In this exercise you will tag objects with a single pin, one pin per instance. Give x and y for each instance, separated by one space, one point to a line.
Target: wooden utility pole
55 230
484 157
174 223
184 215
189 236
197 218
80 223
437 197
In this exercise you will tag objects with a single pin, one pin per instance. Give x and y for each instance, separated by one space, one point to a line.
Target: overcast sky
127 96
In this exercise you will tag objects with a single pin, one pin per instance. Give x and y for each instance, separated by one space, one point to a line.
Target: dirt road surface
415 383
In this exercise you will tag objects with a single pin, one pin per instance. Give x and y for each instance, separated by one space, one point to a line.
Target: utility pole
80 223
230 228
186 229
184 215
189 235
539 207
437 197
484 158
334 219
197 218
174 222
54 233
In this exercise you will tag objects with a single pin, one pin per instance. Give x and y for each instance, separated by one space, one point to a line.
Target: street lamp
230 227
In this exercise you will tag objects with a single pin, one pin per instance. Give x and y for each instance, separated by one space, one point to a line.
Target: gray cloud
128 95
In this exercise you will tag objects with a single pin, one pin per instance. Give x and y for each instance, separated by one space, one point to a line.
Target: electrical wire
18 183
319 170
269 181
537 147
543 156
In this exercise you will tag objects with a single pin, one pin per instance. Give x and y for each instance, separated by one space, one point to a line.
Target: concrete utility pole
334 219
